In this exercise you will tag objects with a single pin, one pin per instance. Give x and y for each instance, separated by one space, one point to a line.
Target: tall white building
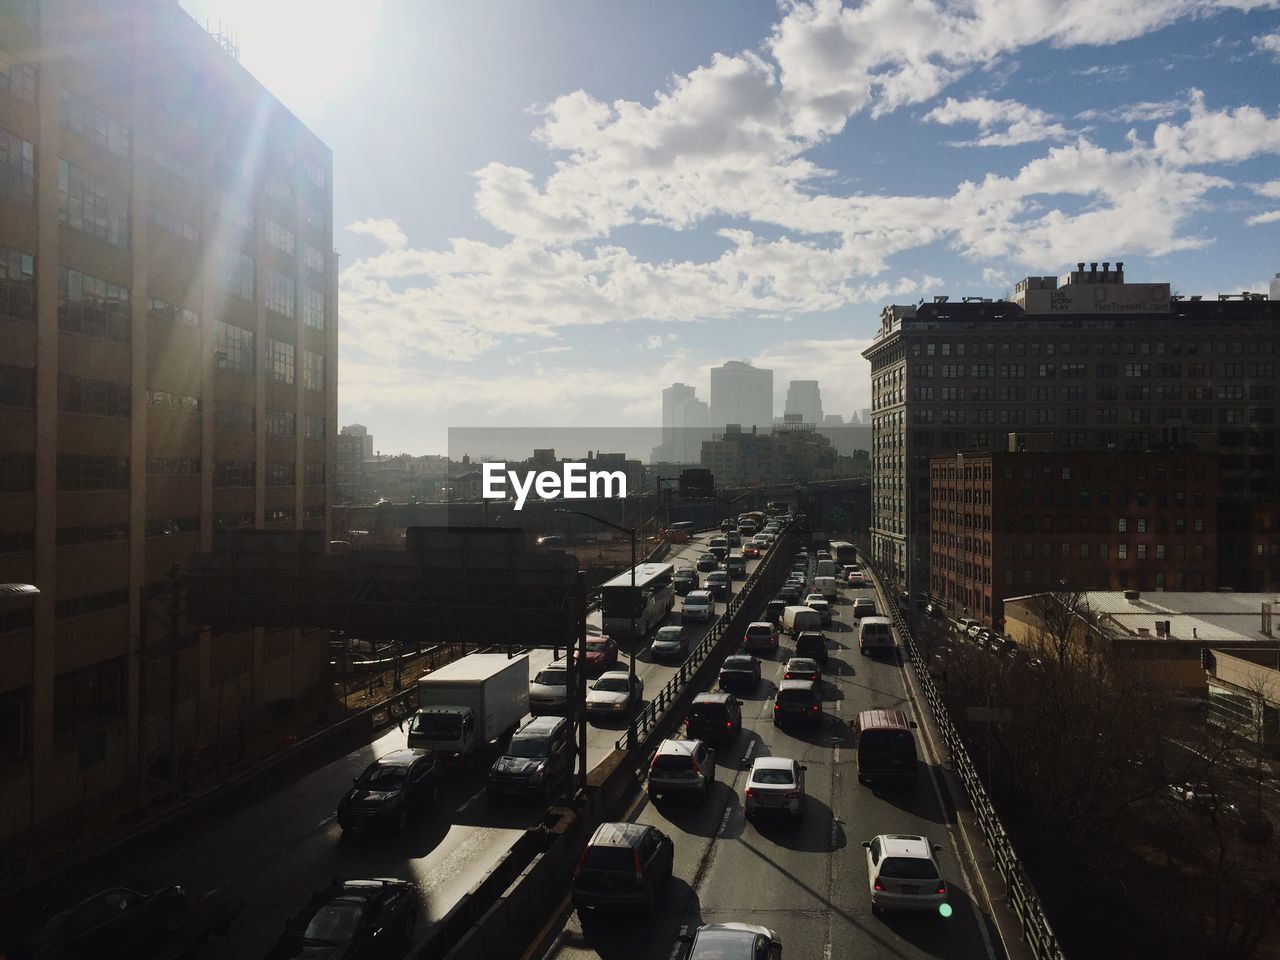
804 398
366 438
684 425
742 394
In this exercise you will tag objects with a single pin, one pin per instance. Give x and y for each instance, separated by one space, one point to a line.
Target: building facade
684 425
741 394
1092 364
1009 523
804 399
168 349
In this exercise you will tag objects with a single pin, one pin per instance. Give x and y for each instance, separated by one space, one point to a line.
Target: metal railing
1036 930
655 710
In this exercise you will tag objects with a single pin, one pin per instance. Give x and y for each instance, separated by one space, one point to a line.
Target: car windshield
609 858
759 631
908 868
552 677
708 711
695 600
795 695
611 684
528 747
436 726
802 666
718 576
737 663
597 646
669 634
886 741
334 923
774 776
378 777
672 761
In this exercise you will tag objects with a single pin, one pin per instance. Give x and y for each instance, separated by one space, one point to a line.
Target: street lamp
630 531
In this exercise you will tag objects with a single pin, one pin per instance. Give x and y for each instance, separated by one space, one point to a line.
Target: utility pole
580 706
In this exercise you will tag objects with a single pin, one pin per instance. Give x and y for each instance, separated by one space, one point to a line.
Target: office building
804 398
366 438
168 349
792 453
1009 523
1093 363
684 426
741 394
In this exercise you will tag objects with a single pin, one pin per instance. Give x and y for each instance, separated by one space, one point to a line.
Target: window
313 308
235 209
1142 524
15 725
315 427
233 473
313 370
1159 551
96 533
92 695
17 386
173 466
171 526
17 472
279 292
280 473
1198 525
159 309
91 205
1122 551
313 258
171 224
279 515
172 165
225 521
281 361
1142 551
82 117
233 347
313 474
312 214
99 398
17 170
233 417
234 273
278 189
17 285
92 473
281 423
313 511
313 171
179 403
19 79
279 237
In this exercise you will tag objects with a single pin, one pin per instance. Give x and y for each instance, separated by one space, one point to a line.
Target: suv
682 766
816 601
902 873
391 790
536 761
715 716
719 546
761 637
684 580
736 566
797 701
624 864
863 607
811 644
697 606
719 584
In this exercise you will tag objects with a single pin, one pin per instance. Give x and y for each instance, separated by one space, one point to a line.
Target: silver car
549 689
682 766
733 941
670 642
698 606
775 785
612 695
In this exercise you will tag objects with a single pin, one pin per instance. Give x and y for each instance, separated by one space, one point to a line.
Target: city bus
648 602
843 552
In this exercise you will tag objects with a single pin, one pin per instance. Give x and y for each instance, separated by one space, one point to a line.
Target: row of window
80 116
18 80
92 205
158 309
17 284
1106 371
17 170
1097 348
171 224
1101 392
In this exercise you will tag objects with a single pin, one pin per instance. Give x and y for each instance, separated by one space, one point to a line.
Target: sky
547 212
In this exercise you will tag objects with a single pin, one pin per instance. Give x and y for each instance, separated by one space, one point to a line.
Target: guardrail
655 710
1036 930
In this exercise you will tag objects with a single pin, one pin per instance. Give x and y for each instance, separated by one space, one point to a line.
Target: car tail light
942 889
814 708
776 708
693 763
877 885
728 723
748 793
786 676
582 862
793 795
635 858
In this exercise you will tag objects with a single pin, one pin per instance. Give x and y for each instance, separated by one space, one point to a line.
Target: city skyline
603 197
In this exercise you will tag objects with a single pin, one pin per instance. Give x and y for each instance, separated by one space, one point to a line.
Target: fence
1022 896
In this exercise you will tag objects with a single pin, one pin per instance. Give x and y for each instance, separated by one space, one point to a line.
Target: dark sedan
391 790
114 923
684 580
352 920
708 562
740 672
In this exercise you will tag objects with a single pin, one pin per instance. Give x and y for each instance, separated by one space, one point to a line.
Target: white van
798 619
826 568
875 633
825 586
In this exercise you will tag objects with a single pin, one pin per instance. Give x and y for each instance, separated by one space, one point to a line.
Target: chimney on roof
1133 596
1093 272
1119 271
1080 266
1144 631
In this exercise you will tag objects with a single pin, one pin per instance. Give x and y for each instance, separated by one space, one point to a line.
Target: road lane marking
750 749
835 756
724 822
474 797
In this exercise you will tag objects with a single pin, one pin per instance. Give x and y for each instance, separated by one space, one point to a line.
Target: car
684 580
789 594
602 653
670 642
719 546
719 584
391 790
775 785
802 668
352 920
624 864
117 922
715 717
773 610
816 601
760 636
732 941
698 606
740 671
849 568
682 766
734 537
964 623
824 555
707 562
801 567
751 549
797 701
902 873
856 579
613 696
726 525
536 762
973 631
863 607
812 644
736 566
549 689
1198 796
933 609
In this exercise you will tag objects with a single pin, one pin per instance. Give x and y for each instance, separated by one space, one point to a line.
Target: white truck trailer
466 705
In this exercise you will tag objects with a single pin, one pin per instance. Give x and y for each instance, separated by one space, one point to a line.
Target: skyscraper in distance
742 394
804 398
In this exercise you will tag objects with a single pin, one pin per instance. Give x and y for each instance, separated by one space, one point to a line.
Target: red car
750 549
602 654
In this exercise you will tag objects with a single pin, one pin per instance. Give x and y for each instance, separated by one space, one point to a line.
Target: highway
275 853
807 882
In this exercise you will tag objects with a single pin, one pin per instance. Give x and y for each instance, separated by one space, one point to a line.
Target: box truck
466 705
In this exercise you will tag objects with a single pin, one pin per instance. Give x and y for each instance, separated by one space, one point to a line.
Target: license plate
910 889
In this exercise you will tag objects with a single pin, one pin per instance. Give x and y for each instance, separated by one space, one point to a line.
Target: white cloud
994 278
1268 43
1002 123
1141 112
1272 216
386 232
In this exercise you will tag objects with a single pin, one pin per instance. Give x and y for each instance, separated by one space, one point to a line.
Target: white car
902 873
733 941
612 696
549 689
698 605
670 641
775 784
